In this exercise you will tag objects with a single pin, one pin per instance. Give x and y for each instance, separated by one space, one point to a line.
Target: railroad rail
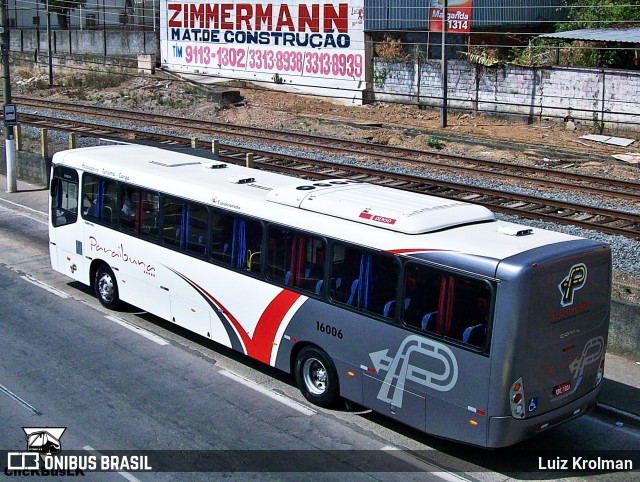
601 219
442 162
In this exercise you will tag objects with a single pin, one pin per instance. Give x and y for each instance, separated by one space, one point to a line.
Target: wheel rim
315 376
106 288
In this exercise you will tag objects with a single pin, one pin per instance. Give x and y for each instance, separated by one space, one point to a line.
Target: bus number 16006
328 329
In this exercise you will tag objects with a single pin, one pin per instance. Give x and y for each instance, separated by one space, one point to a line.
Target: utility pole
443 66
49 46
9 110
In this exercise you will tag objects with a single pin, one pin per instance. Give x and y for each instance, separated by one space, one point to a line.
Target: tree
62 8
599 14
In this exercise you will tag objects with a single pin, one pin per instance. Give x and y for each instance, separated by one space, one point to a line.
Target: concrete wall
86 42
624 334
30 167
594 97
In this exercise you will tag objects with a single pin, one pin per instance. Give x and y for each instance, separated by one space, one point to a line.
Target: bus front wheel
316 376
106 287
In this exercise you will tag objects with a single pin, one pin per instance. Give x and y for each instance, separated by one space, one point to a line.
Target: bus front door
65 238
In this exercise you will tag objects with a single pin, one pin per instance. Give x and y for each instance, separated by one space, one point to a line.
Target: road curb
629 417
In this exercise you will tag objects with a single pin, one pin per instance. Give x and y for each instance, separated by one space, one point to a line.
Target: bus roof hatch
393 209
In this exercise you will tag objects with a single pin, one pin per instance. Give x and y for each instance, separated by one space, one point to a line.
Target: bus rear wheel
106 287
316 376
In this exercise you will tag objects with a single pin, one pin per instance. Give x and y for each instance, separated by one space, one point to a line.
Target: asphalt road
128 381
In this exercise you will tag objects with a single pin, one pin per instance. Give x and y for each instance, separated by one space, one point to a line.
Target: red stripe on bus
268 324
259 347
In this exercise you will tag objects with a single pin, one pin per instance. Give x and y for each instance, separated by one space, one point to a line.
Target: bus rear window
448 305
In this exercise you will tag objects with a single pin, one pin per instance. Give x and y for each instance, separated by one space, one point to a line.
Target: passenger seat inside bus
429 321
389 309
474 335
354 289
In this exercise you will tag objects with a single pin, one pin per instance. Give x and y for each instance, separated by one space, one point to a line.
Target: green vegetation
434 143
599 14
96 80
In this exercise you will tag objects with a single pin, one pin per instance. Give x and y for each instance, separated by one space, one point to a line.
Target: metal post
10 147
18 133
49 46
38 31
44 143
104 28
443 65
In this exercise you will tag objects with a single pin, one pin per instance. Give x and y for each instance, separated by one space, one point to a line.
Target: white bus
427 310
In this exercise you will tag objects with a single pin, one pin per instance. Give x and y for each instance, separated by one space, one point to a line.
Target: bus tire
106 287
316 376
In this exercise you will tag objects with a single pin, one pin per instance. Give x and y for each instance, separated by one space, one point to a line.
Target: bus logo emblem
399 368
574 281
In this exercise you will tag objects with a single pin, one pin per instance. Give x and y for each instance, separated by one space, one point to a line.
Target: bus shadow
619 395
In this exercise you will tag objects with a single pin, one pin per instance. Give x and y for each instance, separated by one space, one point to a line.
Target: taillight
600 373
516 399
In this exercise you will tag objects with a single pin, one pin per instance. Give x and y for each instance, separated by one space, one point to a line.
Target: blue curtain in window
101 200
365 281
238 243
184 224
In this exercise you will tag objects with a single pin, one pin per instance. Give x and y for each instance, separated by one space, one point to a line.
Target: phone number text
286 61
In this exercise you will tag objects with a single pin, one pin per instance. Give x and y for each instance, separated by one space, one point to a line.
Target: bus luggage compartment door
191 316
394 402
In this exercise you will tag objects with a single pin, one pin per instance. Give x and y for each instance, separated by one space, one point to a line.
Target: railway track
441 162
601 219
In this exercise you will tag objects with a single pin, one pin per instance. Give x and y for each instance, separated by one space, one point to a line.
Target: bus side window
90 189
110 204
64 196
128 208
99 200
345 268
172 221
452 306
221 233
196 225
105 202
295 259
150 214
469 311
235 241
363 279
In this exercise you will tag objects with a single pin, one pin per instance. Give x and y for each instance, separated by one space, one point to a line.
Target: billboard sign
293 42
458 16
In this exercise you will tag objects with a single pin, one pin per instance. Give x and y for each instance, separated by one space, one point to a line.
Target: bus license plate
562 388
